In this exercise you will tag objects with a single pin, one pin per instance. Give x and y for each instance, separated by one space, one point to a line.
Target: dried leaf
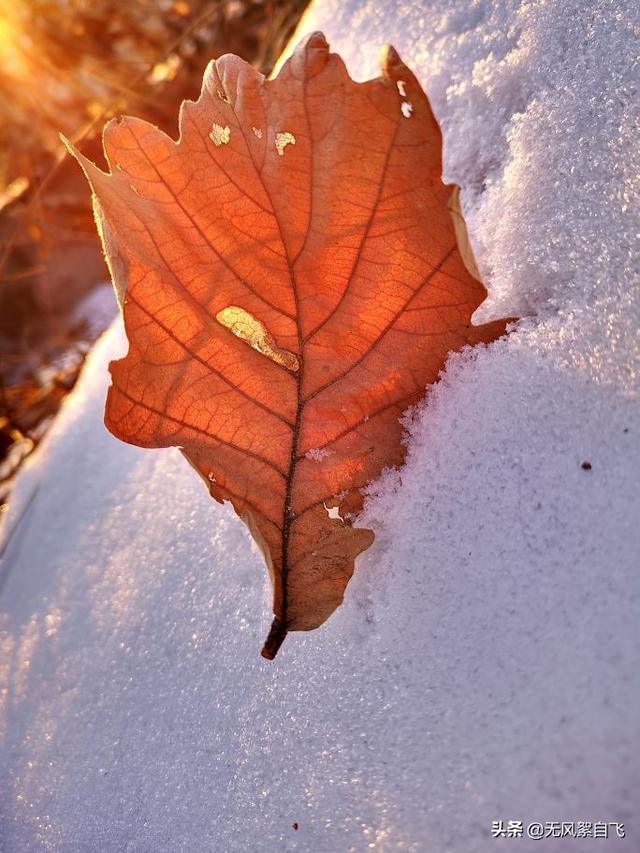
291 284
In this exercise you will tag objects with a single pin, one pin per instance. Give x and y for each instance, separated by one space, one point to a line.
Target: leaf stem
275 639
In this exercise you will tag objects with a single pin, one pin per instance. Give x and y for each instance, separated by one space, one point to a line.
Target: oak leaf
291 282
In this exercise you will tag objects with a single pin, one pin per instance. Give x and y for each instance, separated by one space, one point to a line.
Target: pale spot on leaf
402 89
406 108
257 132
220 135
318 453
284 139
247 328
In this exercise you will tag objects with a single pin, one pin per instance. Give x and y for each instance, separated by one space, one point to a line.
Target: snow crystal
484 664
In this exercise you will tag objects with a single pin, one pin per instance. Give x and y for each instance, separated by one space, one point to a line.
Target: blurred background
67 66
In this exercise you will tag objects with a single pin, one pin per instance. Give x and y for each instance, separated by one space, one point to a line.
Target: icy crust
484 664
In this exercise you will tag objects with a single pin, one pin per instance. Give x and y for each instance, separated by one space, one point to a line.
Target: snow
484 664
97 310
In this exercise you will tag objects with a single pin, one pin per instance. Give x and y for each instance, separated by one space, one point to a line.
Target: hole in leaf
220 135
333 512
284 139
247 328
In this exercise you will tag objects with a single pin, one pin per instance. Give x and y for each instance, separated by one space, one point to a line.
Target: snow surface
485 663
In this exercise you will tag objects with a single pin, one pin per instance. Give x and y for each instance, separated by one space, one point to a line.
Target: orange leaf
291 284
